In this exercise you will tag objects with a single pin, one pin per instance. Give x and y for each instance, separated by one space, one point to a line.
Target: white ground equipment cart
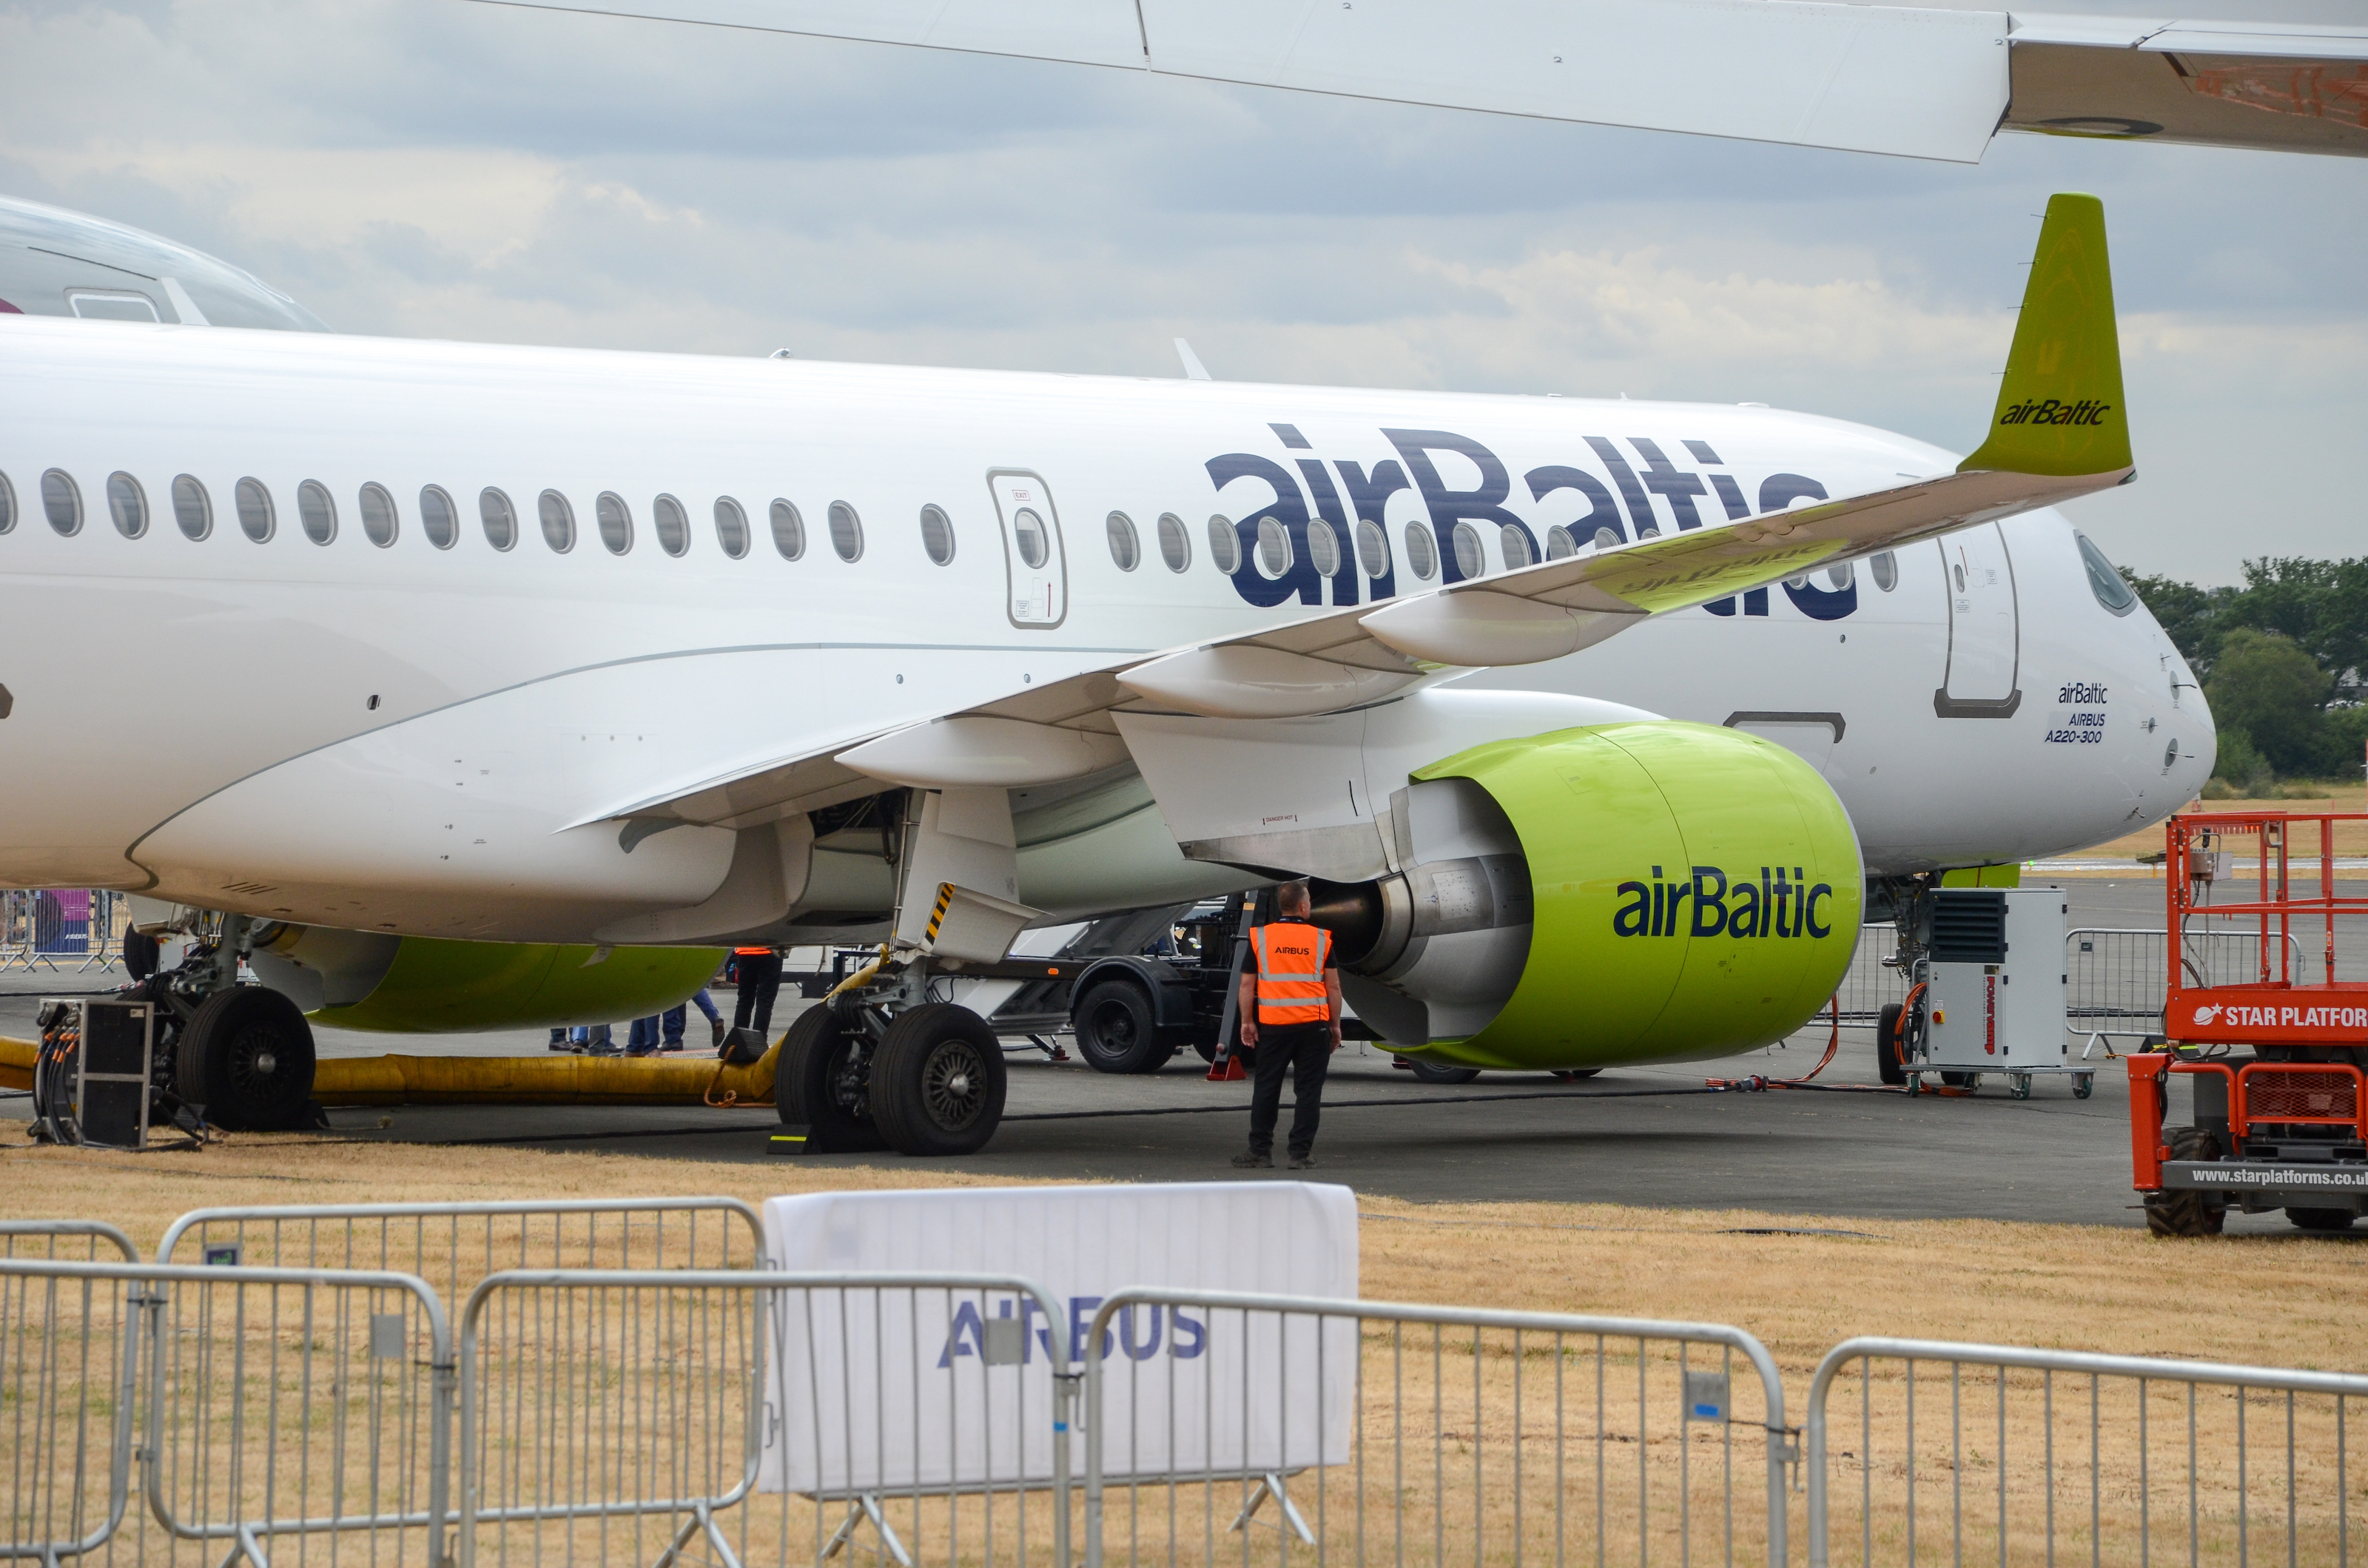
1986 991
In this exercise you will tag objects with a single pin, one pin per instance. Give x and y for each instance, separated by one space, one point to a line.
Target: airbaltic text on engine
1771 907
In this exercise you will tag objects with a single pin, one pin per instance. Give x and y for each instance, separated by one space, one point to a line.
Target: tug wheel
1886 1046
2325 1222
2184 1211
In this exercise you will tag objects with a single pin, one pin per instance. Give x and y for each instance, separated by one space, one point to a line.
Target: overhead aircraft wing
1918 83
2059 432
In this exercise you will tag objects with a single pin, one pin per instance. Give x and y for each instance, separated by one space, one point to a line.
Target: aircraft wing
1918 83
2058 431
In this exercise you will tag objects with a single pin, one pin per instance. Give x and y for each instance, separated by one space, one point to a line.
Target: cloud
431 168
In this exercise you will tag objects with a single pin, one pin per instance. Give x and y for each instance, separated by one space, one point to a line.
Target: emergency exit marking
1705 1396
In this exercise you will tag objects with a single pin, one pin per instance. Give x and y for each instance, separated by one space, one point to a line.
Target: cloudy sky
443 169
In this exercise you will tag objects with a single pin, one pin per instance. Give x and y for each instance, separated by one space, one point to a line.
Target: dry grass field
2351 837
1444 1420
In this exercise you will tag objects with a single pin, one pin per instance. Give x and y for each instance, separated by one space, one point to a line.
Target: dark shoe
1302 1161
641 1053
671 1045
717 1025
1254 1161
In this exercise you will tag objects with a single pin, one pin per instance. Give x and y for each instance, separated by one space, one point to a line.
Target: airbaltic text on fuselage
2055 411
1619 491
1775 906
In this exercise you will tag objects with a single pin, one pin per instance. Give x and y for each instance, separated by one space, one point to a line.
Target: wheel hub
951 1086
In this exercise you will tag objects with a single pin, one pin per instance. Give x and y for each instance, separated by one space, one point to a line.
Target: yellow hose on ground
504 1080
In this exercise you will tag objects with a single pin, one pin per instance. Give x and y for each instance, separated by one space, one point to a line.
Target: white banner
877 1391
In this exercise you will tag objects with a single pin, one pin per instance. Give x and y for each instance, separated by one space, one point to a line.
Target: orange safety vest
1292 958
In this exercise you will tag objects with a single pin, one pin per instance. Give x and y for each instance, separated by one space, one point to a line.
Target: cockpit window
111 304
55 262
2103 581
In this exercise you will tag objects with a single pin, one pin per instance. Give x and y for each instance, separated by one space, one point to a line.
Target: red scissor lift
2276 1050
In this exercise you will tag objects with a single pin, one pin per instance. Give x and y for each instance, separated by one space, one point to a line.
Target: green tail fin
2060 409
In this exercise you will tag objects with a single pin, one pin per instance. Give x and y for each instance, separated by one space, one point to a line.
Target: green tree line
2282 660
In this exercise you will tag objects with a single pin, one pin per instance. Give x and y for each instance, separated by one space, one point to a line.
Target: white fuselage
425 740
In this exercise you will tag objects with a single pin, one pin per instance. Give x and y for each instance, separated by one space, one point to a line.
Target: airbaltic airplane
642 653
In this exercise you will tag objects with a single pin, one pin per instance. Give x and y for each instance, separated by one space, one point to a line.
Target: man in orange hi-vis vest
1291 1012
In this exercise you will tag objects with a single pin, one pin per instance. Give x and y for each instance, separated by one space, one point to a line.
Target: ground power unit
1993 988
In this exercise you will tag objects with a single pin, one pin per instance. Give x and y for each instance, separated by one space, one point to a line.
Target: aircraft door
1036 565
1985 632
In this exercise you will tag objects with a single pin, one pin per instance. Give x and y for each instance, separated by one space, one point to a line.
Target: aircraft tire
937 1081
2321 1221
247 1056
1433 1073
1115 1031
141 954
1575 1075
2183 1211
1886 1046
817 1086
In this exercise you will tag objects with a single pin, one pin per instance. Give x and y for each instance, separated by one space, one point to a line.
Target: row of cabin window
439 519
316 510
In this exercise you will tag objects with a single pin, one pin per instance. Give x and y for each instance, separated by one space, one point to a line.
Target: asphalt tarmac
1653 1135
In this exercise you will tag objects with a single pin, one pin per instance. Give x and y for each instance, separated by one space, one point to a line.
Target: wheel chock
1226 1069
787 1140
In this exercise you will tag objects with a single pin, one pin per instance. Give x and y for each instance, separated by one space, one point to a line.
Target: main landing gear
881 1066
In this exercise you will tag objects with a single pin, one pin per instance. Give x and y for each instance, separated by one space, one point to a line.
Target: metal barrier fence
453 1245
611 1414
1870 986
1424 1435
277 1402
2070 1461
40 927
2115 978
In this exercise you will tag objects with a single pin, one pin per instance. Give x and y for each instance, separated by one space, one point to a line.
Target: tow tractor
2281 1118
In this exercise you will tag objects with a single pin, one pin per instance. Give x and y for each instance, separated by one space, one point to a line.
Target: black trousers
1304 1051
761 981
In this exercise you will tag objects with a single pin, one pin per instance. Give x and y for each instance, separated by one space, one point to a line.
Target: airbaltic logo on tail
1775 906
2055 411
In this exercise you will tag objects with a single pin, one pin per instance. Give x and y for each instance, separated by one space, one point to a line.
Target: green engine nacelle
1690 891
357 979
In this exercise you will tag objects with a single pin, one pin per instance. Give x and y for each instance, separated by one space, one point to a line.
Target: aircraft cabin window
1516 546
257 518
1323 548
939 537
128 504
616 521
672 524
1607 539
1422 552
379 522
558 521
847 533
7 505
437 520
938 534
193 509
2103 581
62 501
1840 577
1560 546
1175 542
789 530
500 518
1126 551
1373 548
1028 534
1885 568
1273 546
316 512
1224 544
731 526
1470 558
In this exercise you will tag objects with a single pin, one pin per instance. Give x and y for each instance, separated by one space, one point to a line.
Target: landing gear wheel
1886 1046
2020 1084
1116 1032
247 1056
1433 1073
822 1082
937 1081
2325 1222
2083 1085
2183 1211
1576 1074
140 955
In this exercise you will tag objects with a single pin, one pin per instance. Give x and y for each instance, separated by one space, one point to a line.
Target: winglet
2060 408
